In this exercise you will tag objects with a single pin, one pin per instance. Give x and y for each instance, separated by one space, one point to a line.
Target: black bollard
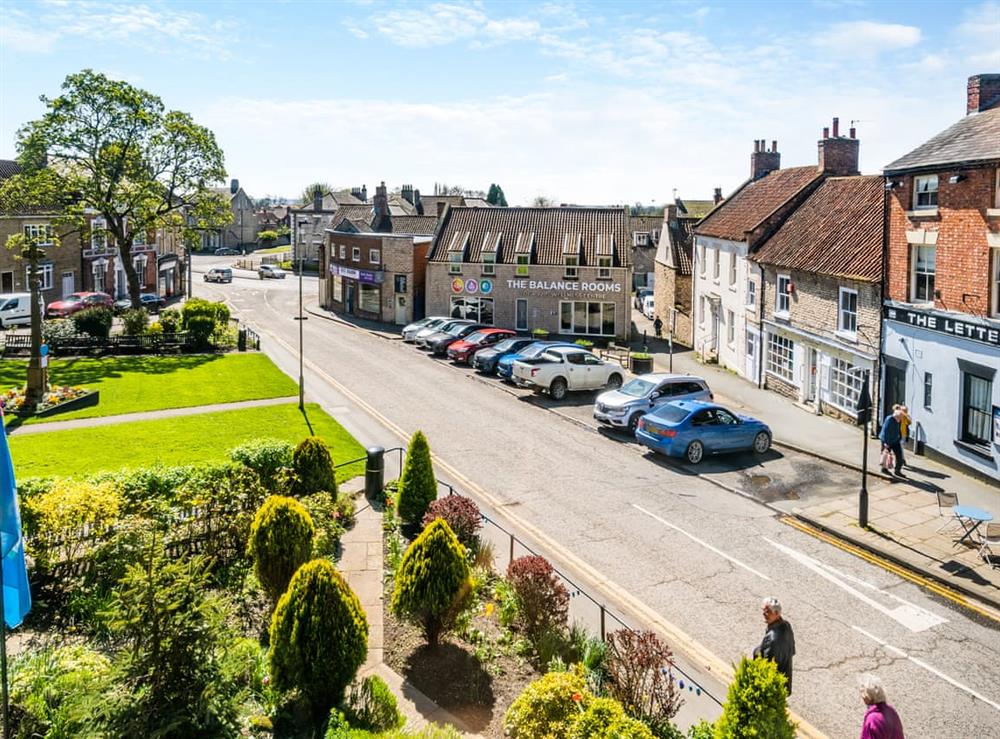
375 472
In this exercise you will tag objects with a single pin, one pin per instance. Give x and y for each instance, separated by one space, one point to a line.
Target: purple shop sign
361 275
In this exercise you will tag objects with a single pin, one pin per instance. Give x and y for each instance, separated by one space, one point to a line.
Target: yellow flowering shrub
59 520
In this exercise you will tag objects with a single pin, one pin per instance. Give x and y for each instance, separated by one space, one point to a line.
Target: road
673 544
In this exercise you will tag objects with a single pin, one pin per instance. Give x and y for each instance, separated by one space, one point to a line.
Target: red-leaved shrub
639 676
542 598
461 514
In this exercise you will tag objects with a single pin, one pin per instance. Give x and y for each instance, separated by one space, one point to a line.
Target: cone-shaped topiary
417 485
432 581
756 703
319 637
281 541
313 467
548 707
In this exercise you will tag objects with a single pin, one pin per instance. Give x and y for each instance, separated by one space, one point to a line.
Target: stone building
941 333
562 270
820 275
241 232
645 238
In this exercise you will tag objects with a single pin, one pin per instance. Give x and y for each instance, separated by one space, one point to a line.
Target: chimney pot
826 132
836 128
234 186
717 197
853 132
763 161
774 146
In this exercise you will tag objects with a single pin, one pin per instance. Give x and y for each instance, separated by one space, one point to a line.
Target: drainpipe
762 346
877 416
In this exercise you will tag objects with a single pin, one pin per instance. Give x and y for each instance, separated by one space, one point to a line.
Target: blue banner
16 594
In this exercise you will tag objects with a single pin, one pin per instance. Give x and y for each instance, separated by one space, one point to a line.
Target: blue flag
16 594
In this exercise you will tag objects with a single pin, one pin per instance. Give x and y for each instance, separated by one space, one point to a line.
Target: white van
15 309
647 307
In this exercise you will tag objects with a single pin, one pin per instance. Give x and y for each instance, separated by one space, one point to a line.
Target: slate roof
646 224
8 168
756 199
836 231
975 138
549 226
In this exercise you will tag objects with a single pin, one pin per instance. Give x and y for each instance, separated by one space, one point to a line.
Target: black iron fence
19 344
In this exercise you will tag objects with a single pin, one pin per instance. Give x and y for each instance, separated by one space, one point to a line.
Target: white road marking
908 614
929 668
705 544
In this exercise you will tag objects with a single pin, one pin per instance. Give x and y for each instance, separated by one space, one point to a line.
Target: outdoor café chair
991 536
945 503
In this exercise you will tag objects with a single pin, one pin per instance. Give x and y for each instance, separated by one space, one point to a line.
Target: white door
751 367
401 310
68 283
811 374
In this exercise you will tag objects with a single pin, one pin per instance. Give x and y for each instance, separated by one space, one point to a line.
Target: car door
739 436
706 429
597 372
576 370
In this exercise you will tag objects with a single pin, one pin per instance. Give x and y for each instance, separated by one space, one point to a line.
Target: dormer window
604 268
524 249
456 252
640 238
925 192
572 243
491 245
572 262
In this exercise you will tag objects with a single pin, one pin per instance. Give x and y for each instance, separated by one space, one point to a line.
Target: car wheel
762 442
695 452
558 389
614 382
633 423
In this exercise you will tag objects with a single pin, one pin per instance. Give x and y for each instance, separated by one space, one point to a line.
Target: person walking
881 720
658 326
891 436
904 429
778 644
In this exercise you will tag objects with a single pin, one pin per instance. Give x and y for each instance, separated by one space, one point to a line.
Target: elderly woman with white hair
881 720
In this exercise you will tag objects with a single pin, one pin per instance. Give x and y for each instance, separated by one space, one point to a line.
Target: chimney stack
982 93
234 186
838 156
826 132
380 204
417 202
364 193
407 193
763 161
318 199
717 197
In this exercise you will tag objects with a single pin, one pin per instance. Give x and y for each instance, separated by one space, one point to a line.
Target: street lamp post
864 409
301 318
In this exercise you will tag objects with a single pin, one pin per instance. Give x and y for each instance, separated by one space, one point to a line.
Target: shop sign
989 335
101 251
564 286
996 425
470 286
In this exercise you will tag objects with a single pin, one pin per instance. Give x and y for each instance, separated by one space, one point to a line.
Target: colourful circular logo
457 284
471 286
486 286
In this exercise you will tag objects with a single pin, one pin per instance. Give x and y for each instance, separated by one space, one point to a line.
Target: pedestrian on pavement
904 429
891 436
881 720
778 644
658 326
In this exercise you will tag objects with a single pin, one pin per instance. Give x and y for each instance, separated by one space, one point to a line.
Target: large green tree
496 197
125 158
309 192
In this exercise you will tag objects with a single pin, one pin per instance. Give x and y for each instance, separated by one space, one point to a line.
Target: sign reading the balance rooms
565 286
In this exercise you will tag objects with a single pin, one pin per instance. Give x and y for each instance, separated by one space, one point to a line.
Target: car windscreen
534 350
637 388
506 345
670 413
475 337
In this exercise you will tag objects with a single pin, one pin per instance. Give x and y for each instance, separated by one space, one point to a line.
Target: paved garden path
194 410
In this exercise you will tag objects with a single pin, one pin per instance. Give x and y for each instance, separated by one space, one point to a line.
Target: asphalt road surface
698 556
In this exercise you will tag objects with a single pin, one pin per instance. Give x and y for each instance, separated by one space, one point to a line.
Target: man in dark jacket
778 644
891 437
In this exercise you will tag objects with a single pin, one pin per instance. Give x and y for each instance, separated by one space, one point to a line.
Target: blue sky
584 102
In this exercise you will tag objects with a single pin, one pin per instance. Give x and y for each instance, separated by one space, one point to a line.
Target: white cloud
979 36
868 38
437 24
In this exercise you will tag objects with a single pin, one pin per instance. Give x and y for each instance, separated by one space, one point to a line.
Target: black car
226 251
150 301
485 360
438 345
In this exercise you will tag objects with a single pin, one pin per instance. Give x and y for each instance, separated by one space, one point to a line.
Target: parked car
219 274
640 295
439 346
692 428
463 350
15 309
622 408
648 307
226 251
425 335
505 366
564 369
77 302
410 330
150 301
485 360
272 271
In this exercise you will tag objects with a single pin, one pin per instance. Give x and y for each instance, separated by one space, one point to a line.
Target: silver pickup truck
563 369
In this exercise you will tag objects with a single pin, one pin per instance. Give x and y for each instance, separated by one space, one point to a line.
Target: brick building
564 270
102 269
821 274
941 333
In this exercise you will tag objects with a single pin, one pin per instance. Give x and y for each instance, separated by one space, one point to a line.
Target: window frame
782 296
730 328
931 193
842 313
46 270
916 276
785 368
964 434
140 271
571 266
995 282
522 264
489 263
454 263
517 325
343 252
845 384
604 265
375 256
640 238
732 270
701 260
716 264
606 313
929 391
355 253
751 297
39 230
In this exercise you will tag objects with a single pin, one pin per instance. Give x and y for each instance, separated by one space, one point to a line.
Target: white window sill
993 212
846 336
732 288
923 213
782 315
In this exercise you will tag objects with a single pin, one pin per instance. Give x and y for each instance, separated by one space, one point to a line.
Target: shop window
400 283
572 264
523 260
584 317
370 298
976 406
338 290
751 294
473 308
847 314
521 314
355 253
780 356
40 233
44 275
845 384
925 192
374 256
924 261
783 296
928 390
604 268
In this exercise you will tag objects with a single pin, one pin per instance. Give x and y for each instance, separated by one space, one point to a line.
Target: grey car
622 408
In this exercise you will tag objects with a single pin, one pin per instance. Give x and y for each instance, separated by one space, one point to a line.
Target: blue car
505 365
692 428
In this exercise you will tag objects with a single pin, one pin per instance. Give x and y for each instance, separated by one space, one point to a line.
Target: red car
462 351
77 302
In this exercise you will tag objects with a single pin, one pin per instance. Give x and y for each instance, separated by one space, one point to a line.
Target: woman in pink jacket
881 720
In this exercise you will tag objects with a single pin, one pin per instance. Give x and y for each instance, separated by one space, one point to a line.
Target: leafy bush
339 729
267 457
319 637
267 235
417 484
548 707
134 321
585 343
539 333
543 601
461 514
756 703
605 719
155 329
53 520
701 730
281 541
641 355
313 467
225 336
218 312
328 520
93 322
638 668
372 706
58 328
170 319
432 581
201 328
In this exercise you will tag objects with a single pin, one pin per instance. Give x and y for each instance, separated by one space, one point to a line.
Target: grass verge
147 383
177 441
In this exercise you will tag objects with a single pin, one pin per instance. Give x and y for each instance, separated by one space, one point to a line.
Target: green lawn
133 384
175 441
274 249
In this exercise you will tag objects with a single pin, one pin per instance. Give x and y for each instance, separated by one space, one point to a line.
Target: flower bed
58 399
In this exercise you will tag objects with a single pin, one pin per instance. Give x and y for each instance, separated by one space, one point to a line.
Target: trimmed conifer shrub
281 541
319 637
756 703
548 707
606 719
313 467
432 581
417 484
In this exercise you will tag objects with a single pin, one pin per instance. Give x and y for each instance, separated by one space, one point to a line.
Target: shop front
170 281
356 291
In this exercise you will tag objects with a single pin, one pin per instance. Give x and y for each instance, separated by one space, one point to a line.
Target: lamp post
301 318
864 408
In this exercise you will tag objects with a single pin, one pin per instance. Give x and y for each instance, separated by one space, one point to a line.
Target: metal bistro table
971 519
